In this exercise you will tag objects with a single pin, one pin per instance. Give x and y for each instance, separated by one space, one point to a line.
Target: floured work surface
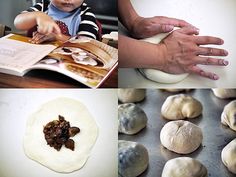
215 135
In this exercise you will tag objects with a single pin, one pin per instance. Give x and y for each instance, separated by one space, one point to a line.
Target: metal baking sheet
215 135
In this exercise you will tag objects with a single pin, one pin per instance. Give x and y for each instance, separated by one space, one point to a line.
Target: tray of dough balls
177 132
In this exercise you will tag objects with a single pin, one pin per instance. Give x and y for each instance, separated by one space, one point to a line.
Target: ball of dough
181 106
181 136
162 77
133 158
184 167
228 156
131 118
224 93
131 95
228 116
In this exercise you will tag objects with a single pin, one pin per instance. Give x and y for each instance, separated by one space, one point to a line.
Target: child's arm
27 20
88 26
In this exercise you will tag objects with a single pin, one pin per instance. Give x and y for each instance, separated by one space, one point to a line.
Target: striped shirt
88 26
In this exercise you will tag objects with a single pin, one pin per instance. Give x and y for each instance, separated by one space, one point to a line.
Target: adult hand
147 27
182 52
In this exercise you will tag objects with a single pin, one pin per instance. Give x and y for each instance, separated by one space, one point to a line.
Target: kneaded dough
131 118
65 160
157 75
181 106
131 95
228 156
181 136
228 116
133 158
184 167
162 77
224 93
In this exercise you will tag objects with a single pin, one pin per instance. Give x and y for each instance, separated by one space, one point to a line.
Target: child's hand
46 25
39 38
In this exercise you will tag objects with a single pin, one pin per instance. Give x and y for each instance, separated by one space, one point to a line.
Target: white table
213 17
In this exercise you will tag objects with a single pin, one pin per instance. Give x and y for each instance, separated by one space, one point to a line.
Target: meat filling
58 132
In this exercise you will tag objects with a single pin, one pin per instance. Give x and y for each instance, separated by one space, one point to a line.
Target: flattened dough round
133 158
65 160
224 93
131 95
131 118
181 136
184 167
228 116
157 75
181 106
228 156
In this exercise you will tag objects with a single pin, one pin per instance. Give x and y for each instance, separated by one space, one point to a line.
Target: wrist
135 25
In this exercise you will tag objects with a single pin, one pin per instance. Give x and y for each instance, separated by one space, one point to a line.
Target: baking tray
215 135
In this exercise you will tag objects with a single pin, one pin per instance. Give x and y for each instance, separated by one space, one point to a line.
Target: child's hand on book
39 38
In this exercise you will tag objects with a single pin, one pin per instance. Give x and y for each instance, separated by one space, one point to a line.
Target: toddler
58 20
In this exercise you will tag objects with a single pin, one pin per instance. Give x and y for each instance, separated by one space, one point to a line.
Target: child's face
67 5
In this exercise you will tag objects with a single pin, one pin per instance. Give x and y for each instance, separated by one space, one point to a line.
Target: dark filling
58 132
66 50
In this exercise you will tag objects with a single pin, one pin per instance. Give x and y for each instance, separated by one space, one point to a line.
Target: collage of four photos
117 88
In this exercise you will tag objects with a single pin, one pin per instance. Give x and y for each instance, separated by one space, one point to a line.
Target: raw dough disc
65 160
228 116
157 75
181 136
184 167
228 156
133 158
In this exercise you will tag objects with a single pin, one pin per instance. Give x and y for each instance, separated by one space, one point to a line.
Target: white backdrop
212 17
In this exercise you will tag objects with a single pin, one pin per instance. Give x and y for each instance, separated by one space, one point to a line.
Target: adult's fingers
209 51
204 40
197 70
175 22
211 61
189 30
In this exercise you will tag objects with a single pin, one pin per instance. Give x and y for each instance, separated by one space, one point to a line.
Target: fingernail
225 62
221 41
215 77
226 52
169 27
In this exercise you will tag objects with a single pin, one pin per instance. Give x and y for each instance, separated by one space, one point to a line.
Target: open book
85 60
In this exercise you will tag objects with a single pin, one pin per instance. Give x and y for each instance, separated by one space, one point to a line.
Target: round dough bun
224 93
181 136
228 116
133 158
131 95
181 106
157 75
228 156
131 118
65 160
184 167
